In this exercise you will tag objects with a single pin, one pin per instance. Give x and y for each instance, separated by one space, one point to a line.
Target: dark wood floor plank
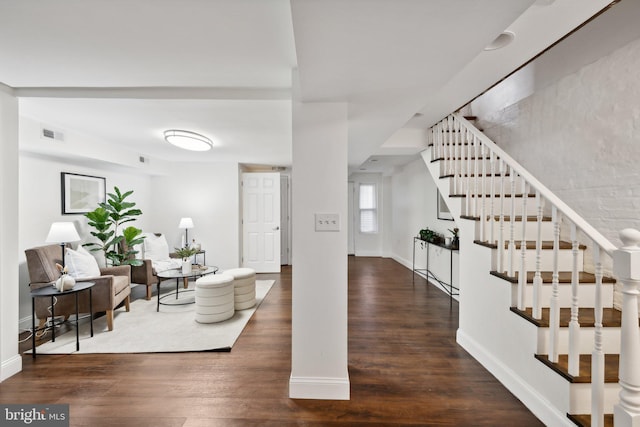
405 369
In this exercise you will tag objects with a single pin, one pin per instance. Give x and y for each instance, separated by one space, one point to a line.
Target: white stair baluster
554 306
522 277
500 246
470 177
597 356
476 172
537 278
492 213
574 325
512 225
450 145
625 265
483 189
454 154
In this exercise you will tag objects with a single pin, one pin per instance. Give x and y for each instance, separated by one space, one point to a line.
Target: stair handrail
580 222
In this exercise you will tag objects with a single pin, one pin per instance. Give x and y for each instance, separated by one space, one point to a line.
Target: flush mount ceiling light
501 41
188 140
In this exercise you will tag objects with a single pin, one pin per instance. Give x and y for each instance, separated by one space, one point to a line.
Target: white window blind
368 209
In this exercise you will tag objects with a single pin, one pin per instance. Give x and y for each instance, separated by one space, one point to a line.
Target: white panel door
261 222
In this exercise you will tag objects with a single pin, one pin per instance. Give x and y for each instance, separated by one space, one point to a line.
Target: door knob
276 228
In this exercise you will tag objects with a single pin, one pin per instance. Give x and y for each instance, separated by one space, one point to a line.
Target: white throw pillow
81 264
156 248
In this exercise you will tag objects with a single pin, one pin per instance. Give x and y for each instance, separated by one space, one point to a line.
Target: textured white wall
580 136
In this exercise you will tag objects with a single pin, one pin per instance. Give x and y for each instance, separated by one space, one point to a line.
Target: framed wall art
81 193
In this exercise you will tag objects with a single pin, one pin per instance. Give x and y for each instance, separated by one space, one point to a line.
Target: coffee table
176 273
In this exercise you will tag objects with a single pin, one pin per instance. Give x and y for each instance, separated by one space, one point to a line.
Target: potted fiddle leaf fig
106 220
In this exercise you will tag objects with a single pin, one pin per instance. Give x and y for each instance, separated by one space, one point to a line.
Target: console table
448 287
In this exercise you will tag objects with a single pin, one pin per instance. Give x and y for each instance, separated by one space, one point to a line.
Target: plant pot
186 265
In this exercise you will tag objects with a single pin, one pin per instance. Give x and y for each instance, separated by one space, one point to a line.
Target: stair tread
563 277
531 244
562 367
518 195
611 317
468 175
584 420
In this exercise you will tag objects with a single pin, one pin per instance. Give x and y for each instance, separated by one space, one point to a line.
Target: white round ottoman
214 298
244 283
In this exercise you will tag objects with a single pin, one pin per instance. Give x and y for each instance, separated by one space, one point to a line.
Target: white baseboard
25 324
369 253
537 404
319 388
10 367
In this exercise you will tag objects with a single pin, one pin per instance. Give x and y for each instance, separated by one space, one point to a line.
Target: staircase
537 288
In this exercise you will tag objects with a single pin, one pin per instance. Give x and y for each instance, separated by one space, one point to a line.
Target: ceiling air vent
52 134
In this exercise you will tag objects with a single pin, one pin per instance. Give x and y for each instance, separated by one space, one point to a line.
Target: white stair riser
460 167
610 340
586 296
531 230
581 398
532 209
565 259
460 185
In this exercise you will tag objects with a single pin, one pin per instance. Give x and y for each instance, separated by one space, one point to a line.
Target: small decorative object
455 242
186 253
195 245
64 282
447 241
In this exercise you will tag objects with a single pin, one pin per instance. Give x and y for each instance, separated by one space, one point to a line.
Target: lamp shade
62 232
186 223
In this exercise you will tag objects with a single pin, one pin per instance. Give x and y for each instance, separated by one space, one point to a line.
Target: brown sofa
112 288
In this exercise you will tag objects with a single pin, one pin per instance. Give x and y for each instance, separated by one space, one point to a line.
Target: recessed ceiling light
501 41
188 140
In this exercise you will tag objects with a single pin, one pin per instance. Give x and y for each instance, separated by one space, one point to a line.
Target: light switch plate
327 222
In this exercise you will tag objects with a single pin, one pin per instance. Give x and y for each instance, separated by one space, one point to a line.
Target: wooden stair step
562 367
531 245
563 277
584 420
469 175
611 318
507 218
488 196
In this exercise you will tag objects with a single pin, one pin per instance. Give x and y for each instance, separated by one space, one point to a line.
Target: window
368 211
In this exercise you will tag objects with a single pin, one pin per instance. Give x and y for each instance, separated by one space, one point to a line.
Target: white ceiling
124 71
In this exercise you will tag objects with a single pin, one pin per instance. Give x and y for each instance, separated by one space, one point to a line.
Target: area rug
144 330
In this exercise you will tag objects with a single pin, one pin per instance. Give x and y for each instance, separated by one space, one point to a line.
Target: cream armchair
111 289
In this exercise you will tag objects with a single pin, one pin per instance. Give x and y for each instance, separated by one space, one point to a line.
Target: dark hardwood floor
404 364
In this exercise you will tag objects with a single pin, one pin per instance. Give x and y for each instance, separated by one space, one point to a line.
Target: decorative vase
186 265
65 282
447 241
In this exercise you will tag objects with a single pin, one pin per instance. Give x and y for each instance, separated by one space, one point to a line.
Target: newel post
626 266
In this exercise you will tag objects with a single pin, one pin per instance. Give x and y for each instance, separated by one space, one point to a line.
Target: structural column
319 242
11 363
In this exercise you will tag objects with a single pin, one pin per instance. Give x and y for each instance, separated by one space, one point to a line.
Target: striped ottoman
214 298
244 280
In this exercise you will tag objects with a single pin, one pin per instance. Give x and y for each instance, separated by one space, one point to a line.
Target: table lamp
62 233
186 223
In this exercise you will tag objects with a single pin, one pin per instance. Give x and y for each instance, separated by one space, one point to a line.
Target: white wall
40 205
210 195
578 134
10 360
413 207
